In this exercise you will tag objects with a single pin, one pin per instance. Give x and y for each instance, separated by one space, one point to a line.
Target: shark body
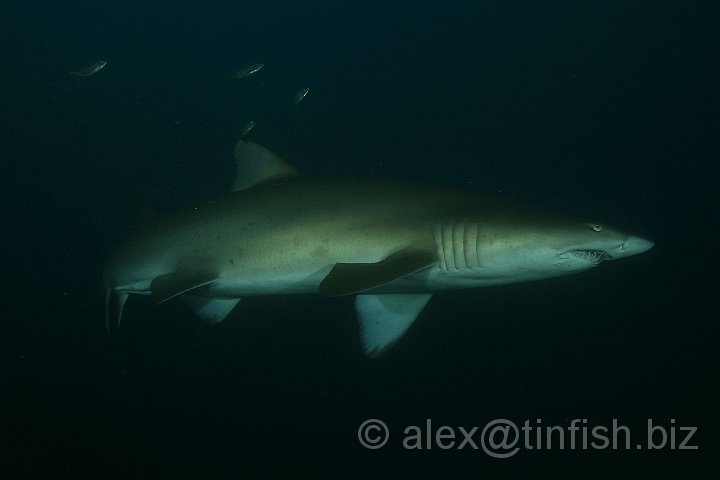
391 244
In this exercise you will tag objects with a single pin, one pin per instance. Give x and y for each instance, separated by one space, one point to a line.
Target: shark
390 244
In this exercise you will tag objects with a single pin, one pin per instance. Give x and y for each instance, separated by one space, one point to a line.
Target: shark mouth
592 256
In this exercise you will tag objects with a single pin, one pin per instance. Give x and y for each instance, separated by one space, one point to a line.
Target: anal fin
165 287
212 310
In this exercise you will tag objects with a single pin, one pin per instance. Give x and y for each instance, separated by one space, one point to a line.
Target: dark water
600 109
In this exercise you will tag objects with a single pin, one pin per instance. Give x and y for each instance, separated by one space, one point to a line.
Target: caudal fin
114 305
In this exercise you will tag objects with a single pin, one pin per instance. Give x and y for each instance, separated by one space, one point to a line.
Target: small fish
246 71
90 70
246 129
300 95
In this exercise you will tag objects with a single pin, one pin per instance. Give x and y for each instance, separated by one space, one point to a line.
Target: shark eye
595 226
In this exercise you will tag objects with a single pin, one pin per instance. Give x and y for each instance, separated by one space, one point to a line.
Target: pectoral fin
165 287
385 318
348 278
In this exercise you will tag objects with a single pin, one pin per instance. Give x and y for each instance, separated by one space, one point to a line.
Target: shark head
590 244
559 249
520 245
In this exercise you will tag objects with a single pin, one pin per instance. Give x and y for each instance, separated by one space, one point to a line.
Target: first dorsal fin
256 164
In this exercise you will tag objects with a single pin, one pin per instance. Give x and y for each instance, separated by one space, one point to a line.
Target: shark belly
269 283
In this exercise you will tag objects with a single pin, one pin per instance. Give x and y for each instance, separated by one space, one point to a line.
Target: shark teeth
592 256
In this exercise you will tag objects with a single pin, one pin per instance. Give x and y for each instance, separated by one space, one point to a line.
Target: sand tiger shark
390 244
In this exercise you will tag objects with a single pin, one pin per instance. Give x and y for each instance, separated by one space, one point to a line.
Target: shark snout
634 245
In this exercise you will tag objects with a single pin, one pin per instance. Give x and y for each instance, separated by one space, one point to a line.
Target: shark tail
114 305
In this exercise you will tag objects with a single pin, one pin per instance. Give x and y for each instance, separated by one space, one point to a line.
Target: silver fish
300 95
246 71
90 70
246 129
